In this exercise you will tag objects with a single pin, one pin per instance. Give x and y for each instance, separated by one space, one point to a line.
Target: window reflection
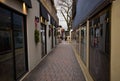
6 55
19 44
83 43
5 19
5 41
99 58
18 32
5 32
11 44
18 22
18 36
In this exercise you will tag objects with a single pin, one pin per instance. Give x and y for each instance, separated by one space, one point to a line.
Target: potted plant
36 33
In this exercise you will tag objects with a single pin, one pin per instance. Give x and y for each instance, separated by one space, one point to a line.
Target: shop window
90 23
82 36
100 47
5 30
12 44
6 55
107 36
19 44
107 39
18 36
5 41
101 30
5 19
92 31
50 30
54 32
18 30
83 44
18 22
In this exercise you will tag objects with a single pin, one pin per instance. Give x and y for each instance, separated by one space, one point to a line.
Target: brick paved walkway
59 65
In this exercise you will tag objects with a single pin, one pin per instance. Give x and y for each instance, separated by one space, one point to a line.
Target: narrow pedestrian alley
59 65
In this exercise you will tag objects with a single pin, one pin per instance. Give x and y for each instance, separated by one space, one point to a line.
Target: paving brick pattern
59 65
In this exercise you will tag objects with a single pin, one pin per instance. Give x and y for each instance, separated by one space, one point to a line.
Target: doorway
43 40
13 58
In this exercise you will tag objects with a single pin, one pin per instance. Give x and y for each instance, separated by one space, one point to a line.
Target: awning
52 21
28 3
83 10
43 12
56 25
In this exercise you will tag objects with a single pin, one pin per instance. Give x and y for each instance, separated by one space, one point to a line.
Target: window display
99 48
83 43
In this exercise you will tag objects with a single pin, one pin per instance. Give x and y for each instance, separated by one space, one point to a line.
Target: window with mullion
19 44
6 53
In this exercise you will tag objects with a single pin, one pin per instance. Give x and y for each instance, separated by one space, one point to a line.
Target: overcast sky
62 21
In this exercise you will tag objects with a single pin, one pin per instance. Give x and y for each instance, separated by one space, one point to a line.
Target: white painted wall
115 41
34 51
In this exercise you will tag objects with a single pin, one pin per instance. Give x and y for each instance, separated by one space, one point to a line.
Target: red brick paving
59 65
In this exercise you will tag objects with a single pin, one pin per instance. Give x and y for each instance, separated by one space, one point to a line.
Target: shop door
6 48
43 40
19 45
13 62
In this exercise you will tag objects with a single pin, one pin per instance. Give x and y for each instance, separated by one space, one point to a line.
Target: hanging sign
36 21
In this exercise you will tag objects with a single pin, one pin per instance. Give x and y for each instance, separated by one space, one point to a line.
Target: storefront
94 23
52 22
13 48
100 46
44 20
83 43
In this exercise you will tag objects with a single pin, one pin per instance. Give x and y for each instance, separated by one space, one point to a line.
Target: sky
62 21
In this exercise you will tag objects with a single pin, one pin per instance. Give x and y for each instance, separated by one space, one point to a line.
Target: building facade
96 35
13 41
49 21
21 26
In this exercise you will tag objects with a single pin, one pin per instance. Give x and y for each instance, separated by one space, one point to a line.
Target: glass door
6 51
19 45
43 40
13 63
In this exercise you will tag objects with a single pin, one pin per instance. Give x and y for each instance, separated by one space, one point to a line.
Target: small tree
66 11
